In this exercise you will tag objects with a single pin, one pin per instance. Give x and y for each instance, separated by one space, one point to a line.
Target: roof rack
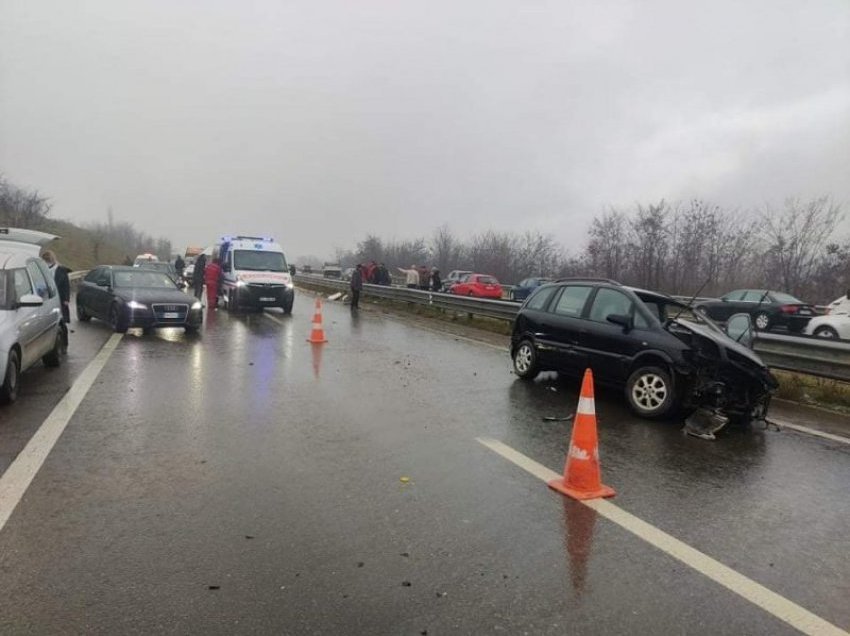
588 279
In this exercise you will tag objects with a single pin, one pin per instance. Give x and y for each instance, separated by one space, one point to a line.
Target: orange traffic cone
317 336
582 477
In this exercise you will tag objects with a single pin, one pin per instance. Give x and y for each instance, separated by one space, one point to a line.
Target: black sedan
523 289
768 309
133 297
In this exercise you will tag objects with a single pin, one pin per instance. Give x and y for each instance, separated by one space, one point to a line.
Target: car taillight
789 309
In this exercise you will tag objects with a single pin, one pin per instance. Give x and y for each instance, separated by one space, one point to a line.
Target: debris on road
704 423
553 418
335 296
406 584
404 480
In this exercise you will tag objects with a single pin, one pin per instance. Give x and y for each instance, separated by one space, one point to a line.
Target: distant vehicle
523 288
835 324
478 286
307 269
667 357
145 258
165 268
128 297
332 270
254 273
768 309
347 273
30 310
454 276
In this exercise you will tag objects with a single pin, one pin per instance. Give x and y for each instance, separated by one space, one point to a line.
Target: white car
835 324
30 309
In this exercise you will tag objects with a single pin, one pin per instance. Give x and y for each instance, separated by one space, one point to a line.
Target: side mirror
30 300
740 329
620 319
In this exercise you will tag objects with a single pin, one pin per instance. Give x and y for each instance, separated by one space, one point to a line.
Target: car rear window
487 280
785 298
572 300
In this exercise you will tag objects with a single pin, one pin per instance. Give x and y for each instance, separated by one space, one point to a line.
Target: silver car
30 309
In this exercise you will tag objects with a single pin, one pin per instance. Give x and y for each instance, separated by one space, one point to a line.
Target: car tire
826 332
650 393
287 306
115 320
761 321
11 380
525 361
82 314
231 301
190 329
53 358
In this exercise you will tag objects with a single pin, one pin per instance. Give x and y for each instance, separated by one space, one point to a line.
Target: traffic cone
582 477
317 335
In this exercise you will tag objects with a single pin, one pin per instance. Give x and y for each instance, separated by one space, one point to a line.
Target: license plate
266 299
805 312
170 314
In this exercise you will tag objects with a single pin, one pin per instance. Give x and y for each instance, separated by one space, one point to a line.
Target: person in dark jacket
198 275
436 282
63 284
356 286
384 277
179 266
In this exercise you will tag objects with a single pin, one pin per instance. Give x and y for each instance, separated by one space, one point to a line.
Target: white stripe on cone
586 406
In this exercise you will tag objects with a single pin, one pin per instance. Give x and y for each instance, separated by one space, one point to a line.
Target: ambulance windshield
256 261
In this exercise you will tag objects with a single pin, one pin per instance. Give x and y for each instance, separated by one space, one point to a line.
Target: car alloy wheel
525 360
762 321
115 320
650 392
82 314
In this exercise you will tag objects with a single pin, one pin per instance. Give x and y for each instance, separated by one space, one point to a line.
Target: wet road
246 482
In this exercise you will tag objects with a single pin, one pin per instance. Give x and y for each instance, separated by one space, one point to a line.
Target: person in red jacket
212 275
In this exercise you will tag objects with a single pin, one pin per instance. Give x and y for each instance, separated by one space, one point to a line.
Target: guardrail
800 354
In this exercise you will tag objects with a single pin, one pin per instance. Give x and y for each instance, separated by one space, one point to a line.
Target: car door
753 301
611 347
566 325
47 316
102 294
26 318
85 293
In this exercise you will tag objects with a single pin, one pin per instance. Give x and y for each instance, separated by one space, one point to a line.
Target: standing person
179 266
424 278
356 286
436 282
212 275
63 284
412 274
383 275
198 275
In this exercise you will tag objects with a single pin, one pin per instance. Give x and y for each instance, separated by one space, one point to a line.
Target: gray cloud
321 121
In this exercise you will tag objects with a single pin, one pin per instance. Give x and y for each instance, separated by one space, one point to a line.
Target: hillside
81 249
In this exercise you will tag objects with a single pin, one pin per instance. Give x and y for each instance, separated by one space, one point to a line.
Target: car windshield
143 278
665 310
256 261
785 298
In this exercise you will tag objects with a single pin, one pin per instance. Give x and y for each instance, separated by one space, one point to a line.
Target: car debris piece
553 418
704 423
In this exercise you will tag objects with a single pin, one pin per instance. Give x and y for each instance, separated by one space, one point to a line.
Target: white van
145 258
254 273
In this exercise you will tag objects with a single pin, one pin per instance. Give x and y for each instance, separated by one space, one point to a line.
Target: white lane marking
21 472
811 431
273 319
771 602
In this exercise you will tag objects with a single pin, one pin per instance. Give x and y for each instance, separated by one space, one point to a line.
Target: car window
93 275
779 297
755 296
608 302
735 295
571 301
103 277
22 283
487 280
540 298
52 290
38 280
5 296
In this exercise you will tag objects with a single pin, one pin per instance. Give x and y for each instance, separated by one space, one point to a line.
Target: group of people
209 274
417 277
420 277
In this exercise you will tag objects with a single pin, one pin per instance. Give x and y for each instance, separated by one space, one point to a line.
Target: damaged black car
671 361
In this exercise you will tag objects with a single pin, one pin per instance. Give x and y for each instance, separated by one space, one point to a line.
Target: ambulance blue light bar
267 239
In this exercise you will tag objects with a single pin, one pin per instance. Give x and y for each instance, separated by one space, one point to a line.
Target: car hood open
723 340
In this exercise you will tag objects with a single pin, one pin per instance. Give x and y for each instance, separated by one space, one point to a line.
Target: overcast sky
321 121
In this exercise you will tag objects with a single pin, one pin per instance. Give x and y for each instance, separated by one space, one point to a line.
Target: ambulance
254 273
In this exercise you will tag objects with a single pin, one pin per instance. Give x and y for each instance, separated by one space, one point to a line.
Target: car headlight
290 285
134 305
196 305
241 283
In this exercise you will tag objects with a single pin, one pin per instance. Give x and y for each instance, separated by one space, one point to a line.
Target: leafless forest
679 248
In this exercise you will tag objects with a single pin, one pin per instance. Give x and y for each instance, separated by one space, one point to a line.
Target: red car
478 285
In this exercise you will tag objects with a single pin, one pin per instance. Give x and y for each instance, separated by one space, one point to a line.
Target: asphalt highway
243 481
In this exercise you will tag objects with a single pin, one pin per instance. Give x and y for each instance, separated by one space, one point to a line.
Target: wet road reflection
579 523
